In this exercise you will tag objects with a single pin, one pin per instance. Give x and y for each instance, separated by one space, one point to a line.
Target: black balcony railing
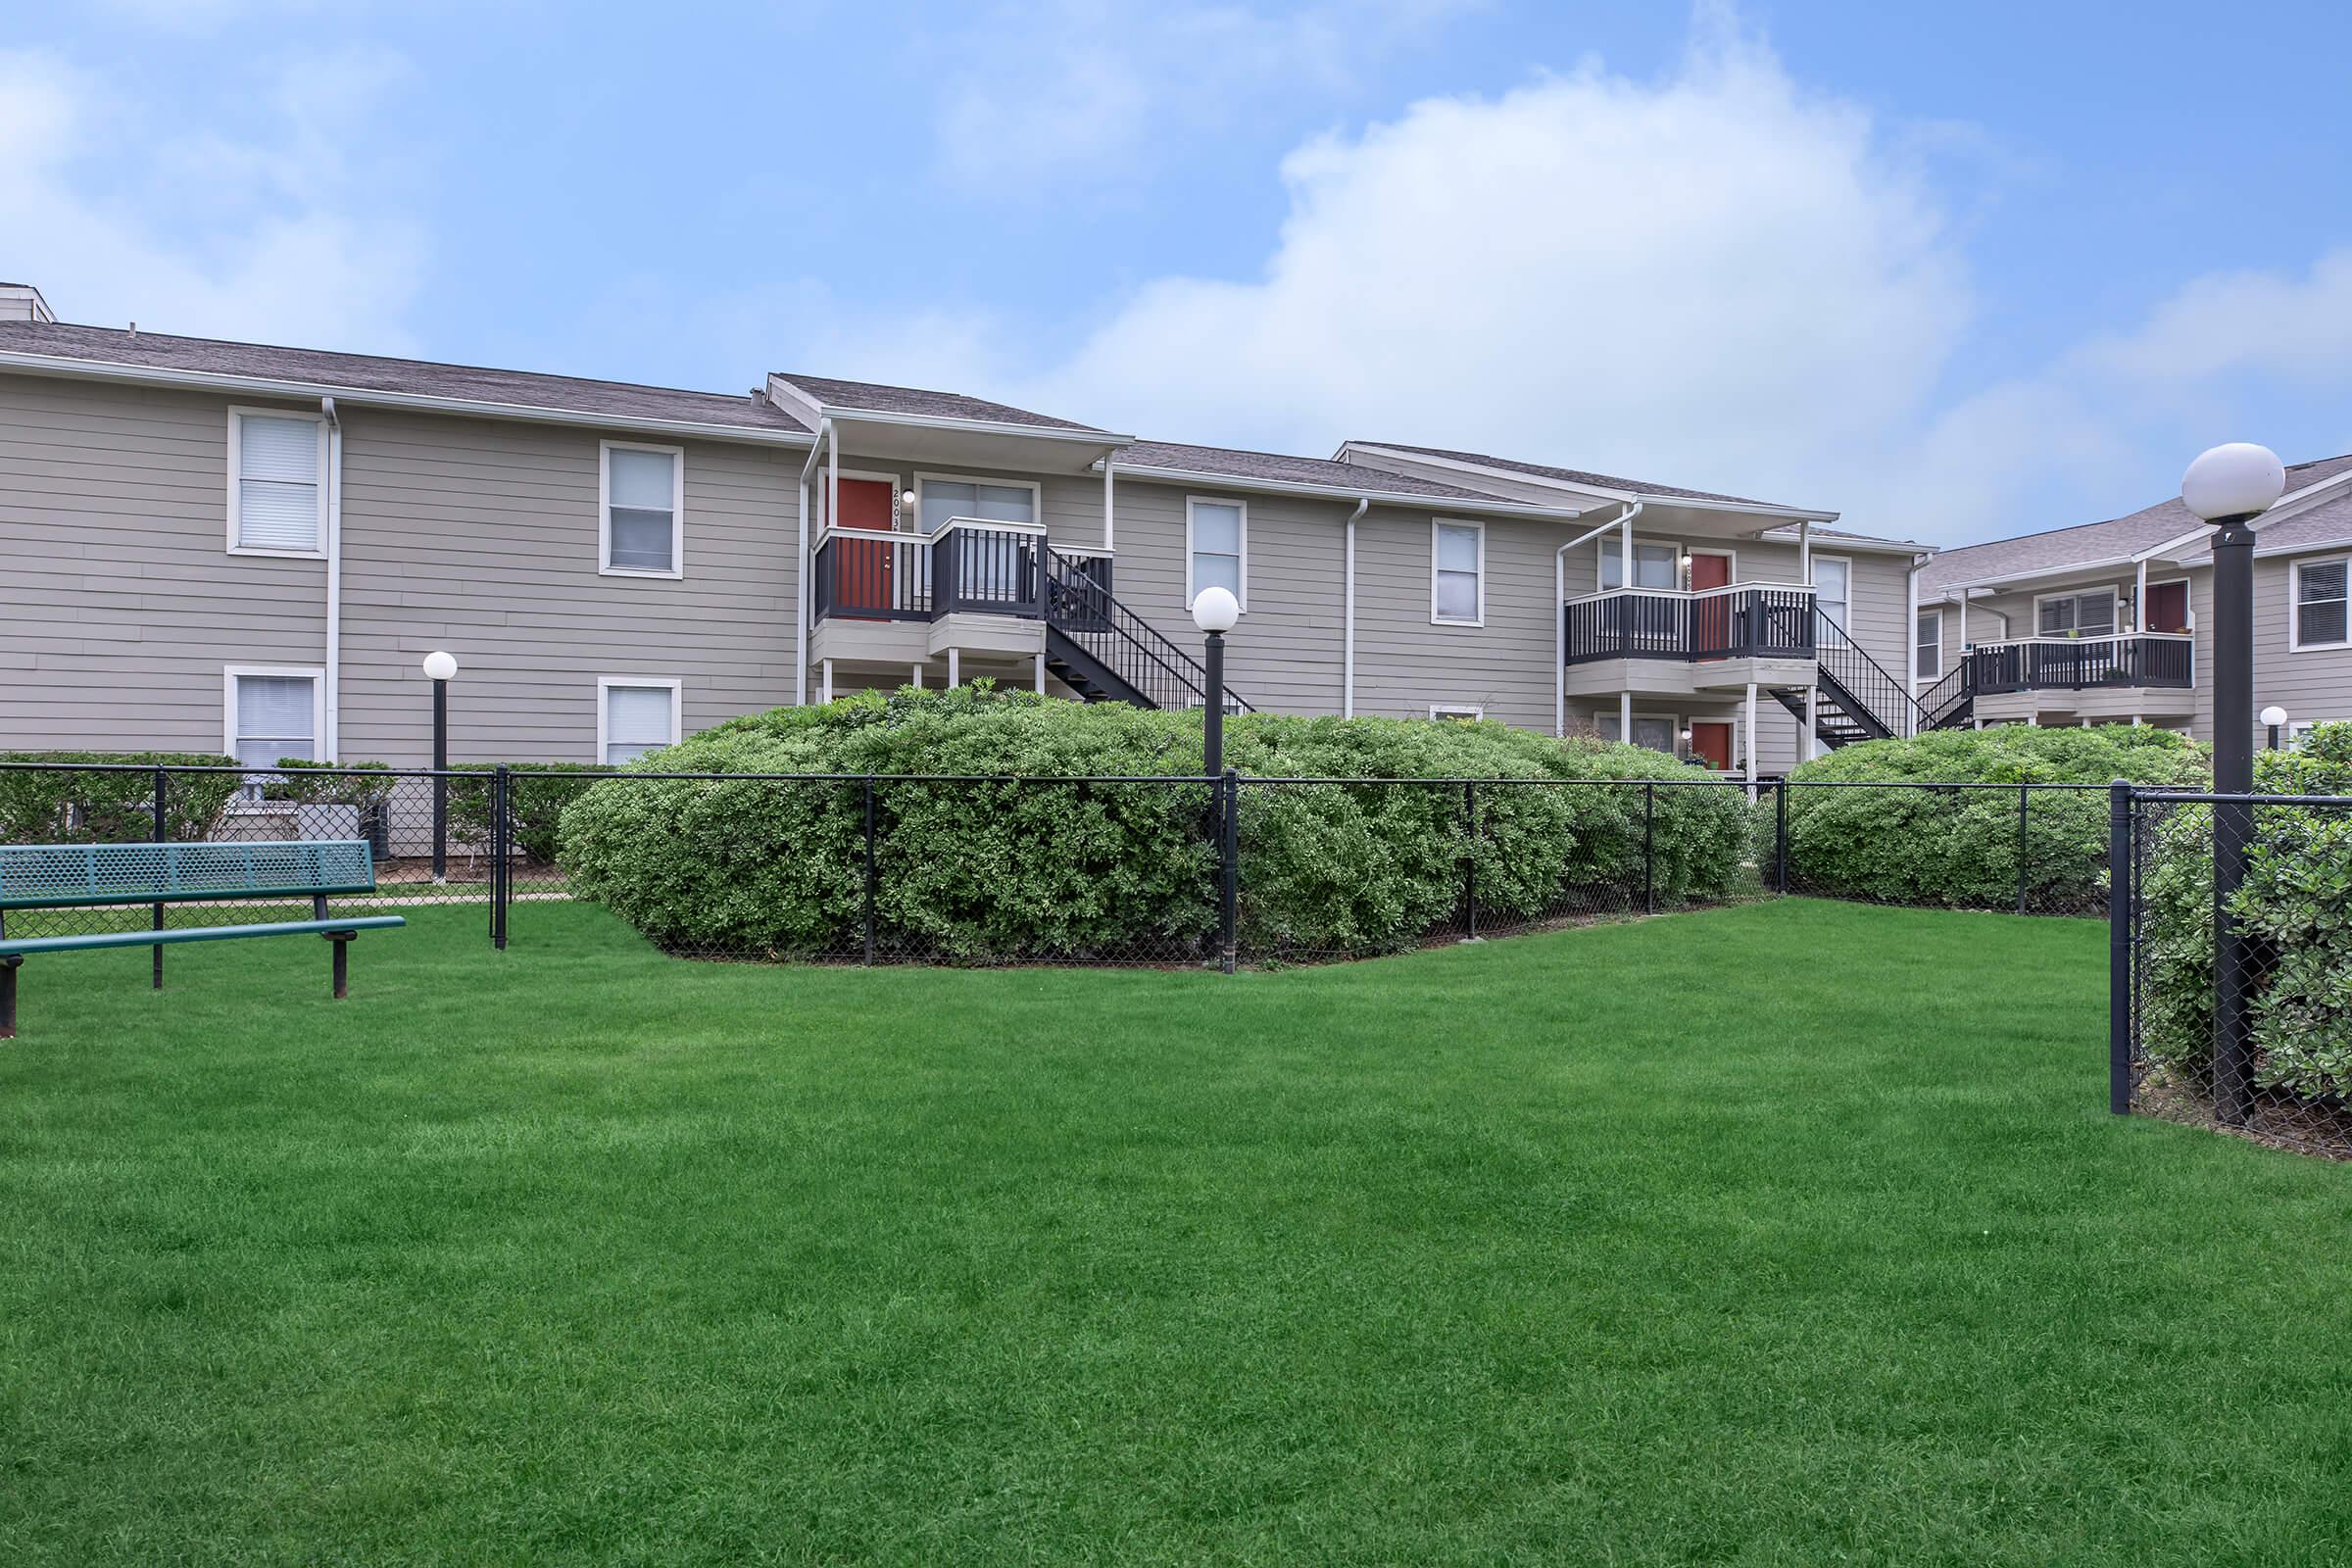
861 575
2133 659
1739 622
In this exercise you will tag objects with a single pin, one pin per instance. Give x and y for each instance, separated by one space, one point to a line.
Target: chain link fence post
163 835
1780 838
2120 863
502 853
1470 857
1650 849
868 785
1229 869
2023 796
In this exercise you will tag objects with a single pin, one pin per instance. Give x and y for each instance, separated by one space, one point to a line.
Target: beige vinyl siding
2313 685
120 603
480 537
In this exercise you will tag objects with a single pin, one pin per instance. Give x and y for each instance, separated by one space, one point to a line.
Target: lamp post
440 669
1215 611
2229 486
2273 720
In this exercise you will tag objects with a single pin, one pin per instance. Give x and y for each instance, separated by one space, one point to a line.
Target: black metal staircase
1854 697
1106 652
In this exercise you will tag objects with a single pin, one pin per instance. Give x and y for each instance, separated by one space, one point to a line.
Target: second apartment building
220 547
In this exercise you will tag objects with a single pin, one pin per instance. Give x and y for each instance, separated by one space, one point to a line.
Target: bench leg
341 942
8 995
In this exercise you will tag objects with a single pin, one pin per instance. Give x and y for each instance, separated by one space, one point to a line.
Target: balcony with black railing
965 564
1745 620
2141 658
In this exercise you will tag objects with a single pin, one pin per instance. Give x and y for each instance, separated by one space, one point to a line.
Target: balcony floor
1671 677
2101 705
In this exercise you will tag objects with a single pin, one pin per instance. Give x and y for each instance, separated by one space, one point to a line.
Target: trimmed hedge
1044 869
2295 906
87 807
1958 849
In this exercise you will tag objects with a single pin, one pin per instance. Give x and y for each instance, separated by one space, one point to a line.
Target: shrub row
85 806
1368 862
1960 848
2295 906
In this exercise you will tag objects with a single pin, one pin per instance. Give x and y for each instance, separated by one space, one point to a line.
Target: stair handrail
1892 687
1067 582
1937 704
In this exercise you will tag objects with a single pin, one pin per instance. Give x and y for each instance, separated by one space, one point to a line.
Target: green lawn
1793 1233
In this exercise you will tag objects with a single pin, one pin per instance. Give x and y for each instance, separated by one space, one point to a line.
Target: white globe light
907 501
440 666
2273 716
1216 610
2232 481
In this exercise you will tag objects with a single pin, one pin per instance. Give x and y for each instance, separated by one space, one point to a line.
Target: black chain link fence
981 869
2233 955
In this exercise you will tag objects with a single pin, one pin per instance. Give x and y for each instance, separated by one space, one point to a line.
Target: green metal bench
76 876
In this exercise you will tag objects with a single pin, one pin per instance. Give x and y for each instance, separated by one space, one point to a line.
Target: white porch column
1625 563
1812 743
825 688
1041 674
1106 506
955 668
915 677
1804 550
2139 599
1625 717
1751 740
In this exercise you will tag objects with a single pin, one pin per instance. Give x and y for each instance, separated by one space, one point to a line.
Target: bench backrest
37 876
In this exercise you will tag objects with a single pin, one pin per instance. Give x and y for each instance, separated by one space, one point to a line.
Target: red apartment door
1710 619
862 581
2168 606
1712 741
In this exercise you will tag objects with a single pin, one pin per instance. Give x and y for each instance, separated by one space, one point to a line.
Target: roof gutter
331 743
941 422
269 386
1760 509
1264 486
1348 614
801 597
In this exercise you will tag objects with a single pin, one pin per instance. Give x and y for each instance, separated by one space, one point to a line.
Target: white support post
2139 599
1812 738
1041 674
915 677
1106 506
1625 560
1625 717
1804 550
955 668
1751 741
826 691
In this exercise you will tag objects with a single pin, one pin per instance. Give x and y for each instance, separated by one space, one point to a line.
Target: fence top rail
2199 798
251 771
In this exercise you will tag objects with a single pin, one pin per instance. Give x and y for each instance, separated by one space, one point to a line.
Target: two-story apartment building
2107 622
248 549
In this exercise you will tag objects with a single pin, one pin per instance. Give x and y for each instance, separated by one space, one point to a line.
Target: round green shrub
2295 908
1015 856
1959 848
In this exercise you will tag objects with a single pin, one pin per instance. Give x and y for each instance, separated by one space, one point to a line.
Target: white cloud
278 240
1038 93
1719 281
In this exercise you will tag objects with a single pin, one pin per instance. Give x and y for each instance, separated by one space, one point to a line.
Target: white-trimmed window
641 526
2319 608
939 497
1657 731
1463 712
1834 598
1929 637
1216 547
2297 730
1457 573
2084 614
634 715
1655 565
270 712
276 483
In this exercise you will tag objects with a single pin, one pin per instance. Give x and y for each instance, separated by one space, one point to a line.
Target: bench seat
27 946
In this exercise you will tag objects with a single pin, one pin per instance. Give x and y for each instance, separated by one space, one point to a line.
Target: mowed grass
1793 1233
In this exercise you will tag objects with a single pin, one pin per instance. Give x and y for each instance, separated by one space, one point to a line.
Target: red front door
864 568
1710 619
2168 606
1712 741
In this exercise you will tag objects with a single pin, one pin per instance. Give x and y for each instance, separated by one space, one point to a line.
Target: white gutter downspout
1559 610
803 600
331 743
1347 614
1108 547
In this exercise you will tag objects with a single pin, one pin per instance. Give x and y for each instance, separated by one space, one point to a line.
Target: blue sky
1958 270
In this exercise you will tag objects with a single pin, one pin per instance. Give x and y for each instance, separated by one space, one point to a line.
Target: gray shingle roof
1278 468
1597 481
2089 544
367 372
882 399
